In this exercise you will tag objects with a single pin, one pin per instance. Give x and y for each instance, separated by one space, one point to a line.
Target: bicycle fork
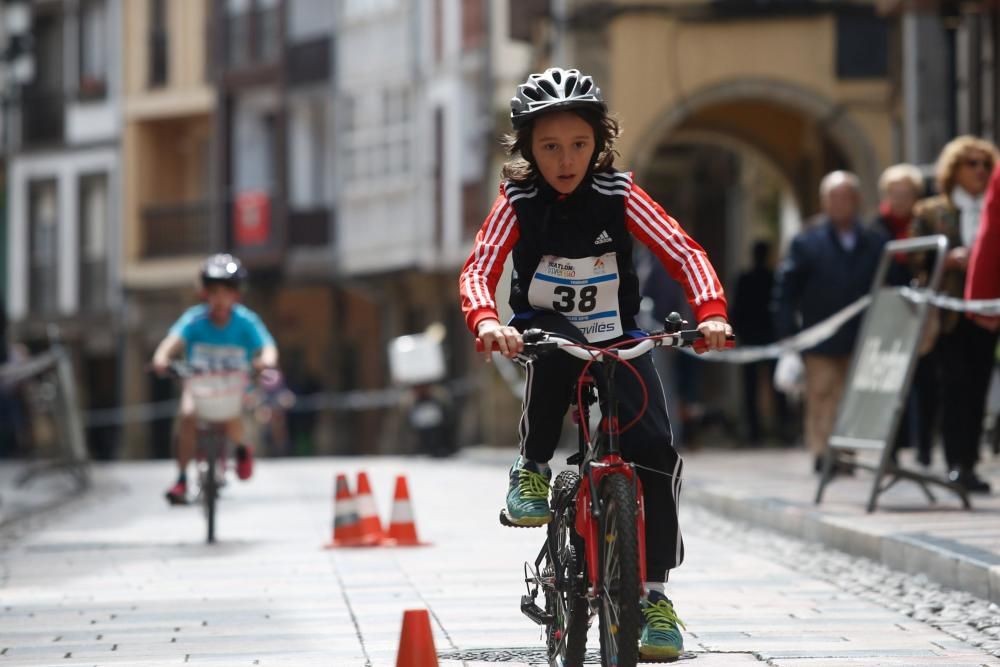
588 513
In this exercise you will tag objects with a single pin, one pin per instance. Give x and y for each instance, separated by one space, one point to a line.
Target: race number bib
585 290
218 357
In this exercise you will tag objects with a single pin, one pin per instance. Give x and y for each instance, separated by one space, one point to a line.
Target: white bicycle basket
218 396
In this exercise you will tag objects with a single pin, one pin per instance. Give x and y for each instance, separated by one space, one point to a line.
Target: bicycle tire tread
617 493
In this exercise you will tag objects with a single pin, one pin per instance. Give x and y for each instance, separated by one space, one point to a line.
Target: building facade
169 111
63 185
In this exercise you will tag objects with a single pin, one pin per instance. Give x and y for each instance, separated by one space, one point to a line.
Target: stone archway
753 110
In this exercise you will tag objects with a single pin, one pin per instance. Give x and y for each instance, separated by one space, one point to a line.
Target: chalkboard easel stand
880 376
887 473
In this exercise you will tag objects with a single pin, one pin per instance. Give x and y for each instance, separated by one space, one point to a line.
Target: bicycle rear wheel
565 599
619 572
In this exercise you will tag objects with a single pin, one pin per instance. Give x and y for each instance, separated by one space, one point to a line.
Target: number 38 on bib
585 290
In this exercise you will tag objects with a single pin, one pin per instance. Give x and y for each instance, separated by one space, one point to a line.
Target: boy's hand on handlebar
260 365
715 329
506 339
160 366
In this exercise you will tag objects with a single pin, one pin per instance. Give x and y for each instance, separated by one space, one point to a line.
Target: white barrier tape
976 307
803 340
823 330
361 399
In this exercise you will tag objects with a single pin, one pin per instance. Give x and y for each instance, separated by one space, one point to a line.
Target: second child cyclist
569 218
217 332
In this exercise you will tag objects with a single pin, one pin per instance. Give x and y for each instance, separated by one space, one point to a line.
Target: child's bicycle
593 561
218 396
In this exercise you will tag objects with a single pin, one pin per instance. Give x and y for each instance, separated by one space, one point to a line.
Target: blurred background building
347 151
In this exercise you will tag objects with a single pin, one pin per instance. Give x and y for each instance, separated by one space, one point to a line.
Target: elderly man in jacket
828 266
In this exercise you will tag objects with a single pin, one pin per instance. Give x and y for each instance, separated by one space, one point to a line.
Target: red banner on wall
252 218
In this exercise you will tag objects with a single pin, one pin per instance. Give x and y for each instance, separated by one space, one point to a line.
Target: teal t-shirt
210 346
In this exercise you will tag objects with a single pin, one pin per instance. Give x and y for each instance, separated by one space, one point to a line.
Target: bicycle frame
597 462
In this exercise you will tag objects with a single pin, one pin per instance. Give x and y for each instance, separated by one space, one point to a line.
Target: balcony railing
309 227
176 229
42 117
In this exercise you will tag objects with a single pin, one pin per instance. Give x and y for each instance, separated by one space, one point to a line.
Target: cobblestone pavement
119 578
775 488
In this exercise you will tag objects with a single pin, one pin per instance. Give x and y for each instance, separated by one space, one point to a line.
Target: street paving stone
119 578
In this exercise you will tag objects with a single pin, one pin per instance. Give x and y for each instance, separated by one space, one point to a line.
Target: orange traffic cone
369 527
345 516
416 643
402 529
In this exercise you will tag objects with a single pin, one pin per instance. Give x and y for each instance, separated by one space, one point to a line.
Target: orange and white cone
416 641
369 527
345 516
402 528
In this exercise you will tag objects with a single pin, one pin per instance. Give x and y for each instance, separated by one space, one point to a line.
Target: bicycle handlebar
183 370
536 340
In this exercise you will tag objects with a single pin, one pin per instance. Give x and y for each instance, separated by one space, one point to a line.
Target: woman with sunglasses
963 352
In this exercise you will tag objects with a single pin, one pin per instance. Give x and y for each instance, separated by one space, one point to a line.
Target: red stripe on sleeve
478 281
684 259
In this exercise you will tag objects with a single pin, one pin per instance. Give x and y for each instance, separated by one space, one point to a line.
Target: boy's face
562 144
220 300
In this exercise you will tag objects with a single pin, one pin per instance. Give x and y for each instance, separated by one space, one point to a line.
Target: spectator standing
963 348
828 266
900 187
754 323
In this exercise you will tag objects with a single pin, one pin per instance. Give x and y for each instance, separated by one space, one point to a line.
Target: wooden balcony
177 229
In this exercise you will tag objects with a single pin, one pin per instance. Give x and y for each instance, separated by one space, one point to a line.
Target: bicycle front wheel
210 484
620 588
565 589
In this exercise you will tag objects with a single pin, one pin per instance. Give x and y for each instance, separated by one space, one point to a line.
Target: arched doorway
803 132
741 162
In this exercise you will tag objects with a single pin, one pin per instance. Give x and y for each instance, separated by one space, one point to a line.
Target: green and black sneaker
660 638
528 496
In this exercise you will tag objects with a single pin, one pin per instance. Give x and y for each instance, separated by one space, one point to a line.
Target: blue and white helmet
555 89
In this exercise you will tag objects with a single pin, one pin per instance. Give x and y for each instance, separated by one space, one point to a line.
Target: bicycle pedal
534 612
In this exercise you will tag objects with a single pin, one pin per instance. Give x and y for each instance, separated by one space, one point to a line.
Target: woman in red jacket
983 281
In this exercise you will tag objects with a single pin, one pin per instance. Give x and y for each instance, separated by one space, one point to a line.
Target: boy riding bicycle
568 219
217 333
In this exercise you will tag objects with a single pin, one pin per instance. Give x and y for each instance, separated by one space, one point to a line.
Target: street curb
945 562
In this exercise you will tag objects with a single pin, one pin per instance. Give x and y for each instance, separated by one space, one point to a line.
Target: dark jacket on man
819 277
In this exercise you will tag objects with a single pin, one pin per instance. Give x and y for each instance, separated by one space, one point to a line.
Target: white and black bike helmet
555 89
222 269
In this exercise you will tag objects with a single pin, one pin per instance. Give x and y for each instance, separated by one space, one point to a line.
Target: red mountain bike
593 562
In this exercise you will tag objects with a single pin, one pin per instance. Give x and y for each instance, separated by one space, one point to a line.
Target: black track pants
551 383
967 367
